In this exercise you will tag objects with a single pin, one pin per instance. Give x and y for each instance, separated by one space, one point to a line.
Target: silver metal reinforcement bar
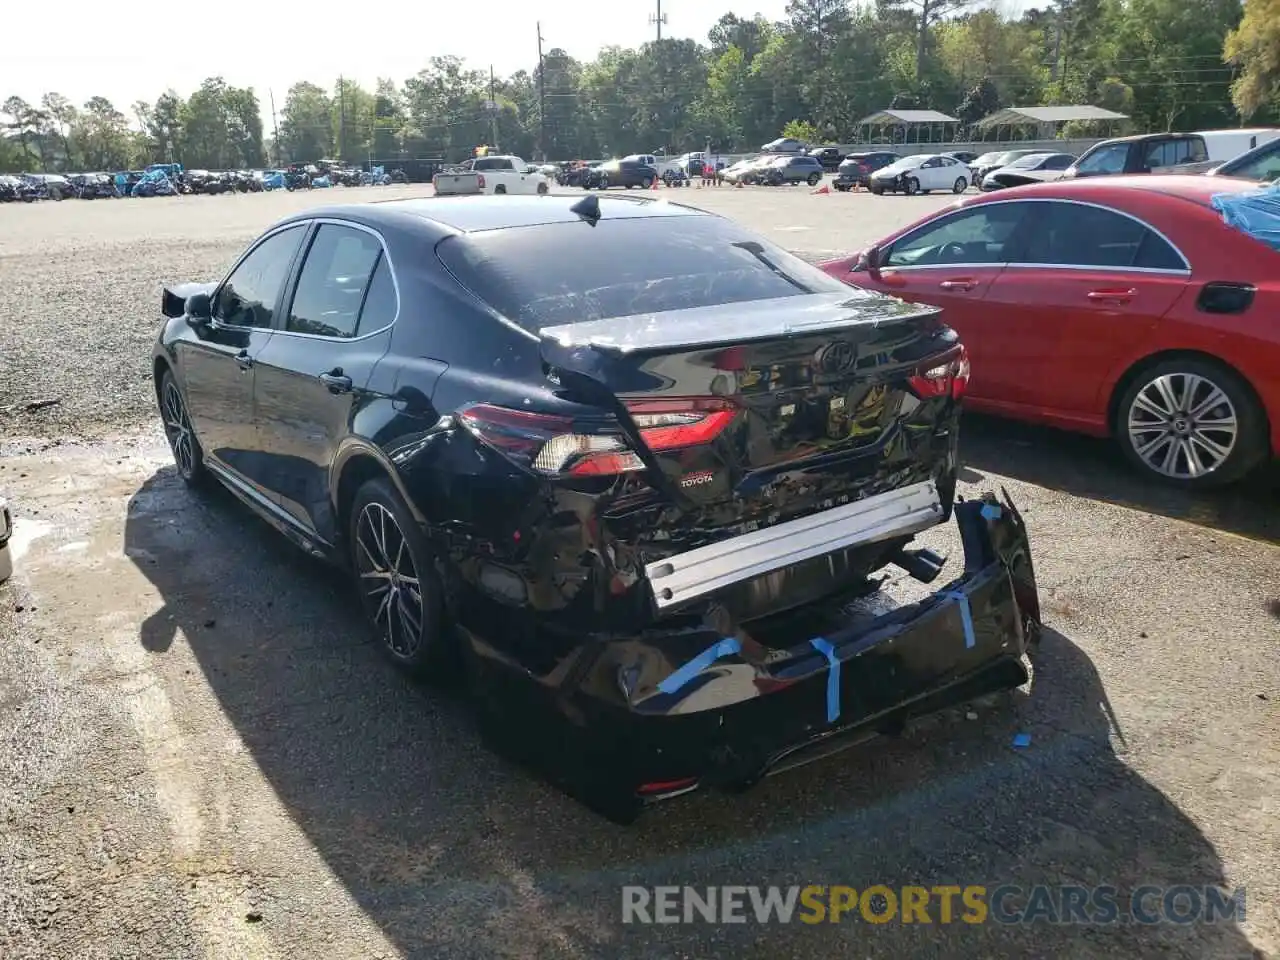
900 512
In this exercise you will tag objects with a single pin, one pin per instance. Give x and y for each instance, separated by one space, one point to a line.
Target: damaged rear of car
760 445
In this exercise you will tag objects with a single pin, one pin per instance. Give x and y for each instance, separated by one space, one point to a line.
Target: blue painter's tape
833 677
1022 740
725 648
966 617
991 511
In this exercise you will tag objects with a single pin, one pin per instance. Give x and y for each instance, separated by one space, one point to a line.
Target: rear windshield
561 273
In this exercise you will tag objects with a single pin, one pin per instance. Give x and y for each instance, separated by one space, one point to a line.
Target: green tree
1253 47
306 125
102 131
25 122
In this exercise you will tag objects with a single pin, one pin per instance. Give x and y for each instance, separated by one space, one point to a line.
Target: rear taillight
945 376
480 180
555 445
435 180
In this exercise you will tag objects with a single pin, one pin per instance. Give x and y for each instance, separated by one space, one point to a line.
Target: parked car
1033 168
829 157
746 171
785 145
920 174
1121 307
1261 164
792 170
856 168
964 156
1141 154
621 173
995 160
643 543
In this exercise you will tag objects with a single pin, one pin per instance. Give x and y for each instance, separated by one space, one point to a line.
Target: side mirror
199 309
873 259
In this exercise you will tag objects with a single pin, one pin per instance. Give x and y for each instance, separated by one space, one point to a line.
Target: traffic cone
821 190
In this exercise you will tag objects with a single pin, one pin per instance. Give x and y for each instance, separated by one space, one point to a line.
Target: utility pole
658 19
274 124
342 119
542 101
492 106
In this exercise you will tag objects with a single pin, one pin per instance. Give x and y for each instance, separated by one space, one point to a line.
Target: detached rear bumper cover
693 704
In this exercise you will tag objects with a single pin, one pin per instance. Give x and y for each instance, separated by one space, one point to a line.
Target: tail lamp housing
945 376
554 445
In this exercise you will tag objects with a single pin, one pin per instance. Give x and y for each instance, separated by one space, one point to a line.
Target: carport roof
885 117
1011 115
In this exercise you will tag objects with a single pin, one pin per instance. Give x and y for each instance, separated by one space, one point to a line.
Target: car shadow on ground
1090 467
453 851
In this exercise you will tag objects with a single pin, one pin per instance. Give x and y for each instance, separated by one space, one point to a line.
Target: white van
1224 145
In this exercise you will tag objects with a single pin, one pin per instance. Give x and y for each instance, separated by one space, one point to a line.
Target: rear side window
1168 153
563 273
333 281
1263 167
1076 235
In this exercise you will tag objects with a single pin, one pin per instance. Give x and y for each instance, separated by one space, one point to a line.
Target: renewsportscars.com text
973 904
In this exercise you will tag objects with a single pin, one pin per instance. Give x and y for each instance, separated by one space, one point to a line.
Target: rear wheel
1191 422
960 186
542 189
500 188
395 574
188 455
646 183
815 179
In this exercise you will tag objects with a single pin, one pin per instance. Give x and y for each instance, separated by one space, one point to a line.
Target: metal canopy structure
1046 120
908 126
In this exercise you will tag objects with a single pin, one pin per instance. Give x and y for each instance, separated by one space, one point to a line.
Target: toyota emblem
837 357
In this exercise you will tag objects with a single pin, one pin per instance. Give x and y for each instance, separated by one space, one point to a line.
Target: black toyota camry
625 467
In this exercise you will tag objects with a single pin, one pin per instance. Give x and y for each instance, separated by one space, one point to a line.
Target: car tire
543 189
390 557
188 455
500 189
1145 400
646 183
912 186
877 190
960 186
814 179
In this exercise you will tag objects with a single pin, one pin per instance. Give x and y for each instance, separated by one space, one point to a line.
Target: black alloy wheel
399 590
188 456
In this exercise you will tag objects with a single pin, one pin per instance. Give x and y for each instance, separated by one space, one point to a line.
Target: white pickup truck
498 175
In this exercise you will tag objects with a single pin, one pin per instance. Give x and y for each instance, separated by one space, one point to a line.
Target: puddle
25 533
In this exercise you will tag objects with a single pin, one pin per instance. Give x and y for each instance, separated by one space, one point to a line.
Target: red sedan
1117 306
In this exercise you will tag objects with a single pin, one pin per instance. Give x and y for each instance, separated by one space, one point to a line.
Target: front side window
979 235
248 297
1263 168
333 281
1076 235
1105 160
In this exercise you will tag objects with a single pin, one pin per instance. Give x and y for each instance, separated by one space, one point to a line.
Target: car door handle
965 284
243 360
1113 296
336 381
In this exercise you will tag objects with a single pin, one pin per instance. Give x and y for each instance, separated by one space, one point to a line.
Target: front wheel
395 574
815 179
877 190
646 183
913 186
960 186
1191 422
188 455
500 189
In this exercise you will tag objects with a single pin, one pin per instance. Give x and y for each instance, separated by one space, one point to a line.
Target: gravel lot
202 758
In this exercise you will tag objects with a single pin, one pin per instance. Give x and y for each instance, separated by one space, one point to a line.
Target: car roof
477 213
1197 189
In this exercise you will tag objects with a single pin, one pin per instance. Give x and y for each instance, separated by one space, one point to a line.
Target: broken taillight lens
556 445
945 376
